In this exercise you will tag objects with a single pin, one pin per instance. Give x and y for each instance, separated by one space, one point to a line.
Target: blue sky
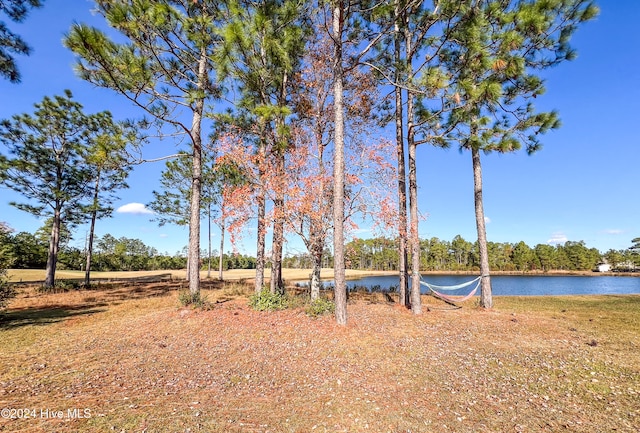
582 185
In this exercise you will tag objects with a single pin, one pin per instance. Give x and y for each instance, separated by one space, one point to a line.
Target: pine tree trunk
402 184
194 223
209 239
277 285
196 185
260 255
317 234
486 299
92 228
315 275
220 262
52 257
414 240
187 277
338 171
87 271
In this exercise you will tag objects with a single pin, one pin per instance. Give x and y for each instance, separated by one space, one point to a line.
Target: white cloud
613 232
135 209
557 238
359 231
487 220
164 235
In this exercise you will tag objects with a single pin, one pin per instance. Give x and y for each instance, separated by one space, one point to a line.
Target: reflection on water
510 285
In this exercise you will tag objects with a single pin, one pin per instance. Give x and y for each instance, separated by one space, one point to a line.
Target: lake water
521 285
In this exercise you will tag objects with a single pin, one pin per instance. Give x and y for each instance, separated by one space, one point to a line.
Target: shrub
6 290
356 288
68 285
267 301
197 300
61 286
319 307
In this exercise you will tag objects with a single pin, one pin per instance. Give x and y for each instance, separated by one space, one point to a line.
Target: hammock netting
436 290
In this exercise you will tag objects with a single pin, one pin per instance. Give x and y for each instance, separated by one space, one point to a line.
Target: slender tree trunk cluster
414 297
402 176
281 144
277 285
317 232
54 245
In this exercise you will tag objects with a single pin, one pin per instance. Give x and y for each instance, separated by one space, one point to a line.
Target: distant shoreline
539 273
289 274
355 274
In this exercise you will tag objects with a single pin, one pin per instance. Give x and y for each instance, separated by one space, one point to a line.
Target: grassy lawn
130 359
37 275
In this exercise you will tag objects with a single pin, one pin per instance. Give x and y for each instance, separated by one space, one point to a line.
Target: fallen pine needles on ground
133 360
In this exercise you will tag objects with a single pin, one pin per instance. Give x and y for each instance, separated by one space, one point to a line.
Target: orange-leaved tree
368 172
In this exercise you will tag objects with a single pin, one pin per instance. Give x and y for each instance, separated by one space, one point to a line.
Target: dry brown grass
141 363
37 275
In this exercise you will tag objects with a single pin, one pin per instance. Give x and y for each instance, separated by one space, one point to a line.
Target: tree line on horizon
25 250
307 89
381 254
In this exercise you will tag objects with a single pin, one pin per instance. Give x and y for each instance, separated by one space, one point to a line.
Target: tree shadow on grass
96 299
131 292
45 316
146 287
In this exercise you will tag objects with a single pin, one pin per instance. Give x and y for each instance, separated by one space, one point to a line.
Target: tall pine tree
264 43
110 163
165 67
493 59
48 163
